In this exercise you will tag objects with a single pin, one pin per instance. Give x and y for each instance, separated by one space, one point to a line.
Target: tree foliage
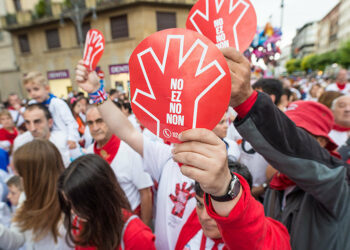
321 61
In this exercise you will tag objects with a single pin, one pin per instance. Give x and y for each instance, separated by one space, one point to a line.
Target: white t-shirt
196 241
58 138
45 243
17 117
339 137
334 87
233 151
127 166
255 162
175 196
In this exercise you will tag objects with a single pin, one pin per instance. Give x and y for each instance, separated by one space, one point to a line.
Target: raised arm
115 119
241 221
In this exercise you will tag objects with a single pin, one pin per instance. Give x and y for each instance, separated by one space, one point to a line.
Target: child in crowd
91 225
8 132
38 89
78 108
15 187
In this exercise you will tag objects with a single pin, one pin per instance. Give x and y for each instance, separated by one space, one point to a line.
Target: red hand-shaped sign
228 23
178 80
94 47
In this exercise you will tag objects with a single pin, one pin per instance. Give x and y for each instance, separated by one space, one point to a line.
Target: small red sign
228 23
94 47
178 80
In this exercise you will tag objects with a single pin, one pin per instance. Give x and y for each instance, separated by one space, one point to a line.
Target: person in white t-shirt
15 108
341 85
38 89
341 128
38 122
125 162
175 197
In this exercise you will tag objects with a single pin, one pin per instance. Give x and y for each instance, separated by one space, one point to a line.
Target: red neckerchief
11 108
6 135
281 181
341 86
340 128
110 150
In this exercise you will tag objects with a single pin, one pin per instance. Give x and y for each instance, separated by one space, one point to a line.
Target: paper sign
228 23
178 80
94 47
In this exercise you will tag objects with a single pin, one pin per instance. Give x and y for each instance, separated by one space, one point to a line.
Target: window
52 38
166 20
24 43
17 4
119 26
85 28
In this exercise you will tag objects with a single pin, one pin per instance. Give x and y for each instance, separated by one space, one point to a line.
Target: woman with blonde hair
39 217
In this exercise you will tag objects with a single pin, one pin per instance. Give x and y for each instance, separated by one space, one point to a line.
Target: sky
296 14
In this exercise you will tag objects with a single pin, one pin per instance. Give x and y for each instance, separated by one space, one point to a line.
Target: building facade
51 44
10 77
327 38
344 21
304 41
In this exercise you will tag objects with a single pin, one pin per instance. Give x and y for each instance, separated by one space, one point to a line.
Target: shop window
52 39
17 4
166 20
119 26
24 43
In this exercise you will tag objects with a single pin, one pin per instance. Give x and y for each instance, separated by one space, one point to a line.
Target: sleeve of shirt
155 156
138 236
247 228
10 238
140 178
66 116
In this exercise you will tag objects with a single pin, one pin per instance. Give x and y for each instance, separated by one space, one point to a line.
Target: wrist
226 183
99 96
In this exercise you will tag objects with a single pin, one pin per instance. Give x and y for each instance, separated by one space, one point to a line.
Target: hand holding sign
94 47
178 80
228 23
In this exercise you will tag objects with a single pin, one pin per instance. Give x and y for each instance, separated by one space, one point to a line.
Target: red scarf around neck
341 86
109 150
340 128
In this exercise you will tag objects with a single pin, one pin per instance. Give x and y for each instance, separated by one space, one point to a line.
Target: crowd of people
83 173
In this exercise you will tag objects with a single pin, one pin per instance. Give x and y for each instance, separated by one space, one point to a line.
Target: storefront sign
118 69
58 74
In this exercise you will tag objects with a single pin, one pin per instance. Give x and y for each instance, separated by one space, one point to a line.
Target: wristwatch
232 190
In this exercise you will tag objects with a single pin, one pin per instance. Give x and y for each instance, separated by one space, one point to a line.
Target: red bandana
341 86
6 135
340 128
110 150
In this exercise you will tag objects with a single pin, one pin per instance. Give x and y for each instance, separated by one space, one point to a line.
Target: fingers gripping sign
204 159
178 78
228 23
